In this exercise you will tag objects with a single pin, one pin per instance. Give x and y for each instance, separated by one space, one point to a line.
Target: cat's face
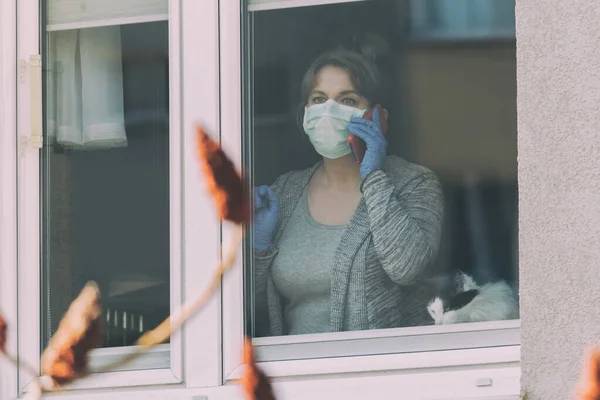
435 308
453 293
440 313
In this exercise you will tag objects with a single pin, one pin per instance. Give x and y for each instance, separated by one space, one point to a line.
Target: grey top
302 270
389 242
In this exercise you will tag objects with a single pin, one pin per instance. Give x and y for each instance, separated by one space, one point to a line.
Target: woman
338 245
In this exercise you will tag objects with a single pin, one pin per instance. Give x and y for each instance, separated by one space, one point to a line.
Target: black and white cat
460 299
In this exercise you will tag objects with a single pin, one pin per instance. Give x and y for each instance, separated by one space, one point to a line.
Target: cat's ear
468 282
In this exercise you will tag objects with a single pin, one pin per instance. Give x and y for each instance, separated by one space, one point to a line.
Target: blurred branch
65 358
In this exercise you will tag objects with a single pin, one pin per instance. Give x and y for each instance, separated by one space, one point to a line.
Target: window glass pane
105 169
424 230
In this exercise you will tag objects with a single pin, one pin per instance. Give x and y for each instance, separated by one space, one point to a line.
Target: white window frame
8 190
414 349
194 228
207 67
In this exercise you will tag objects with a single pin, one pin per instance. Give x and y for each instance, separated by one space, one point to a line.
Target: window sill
409 362
420 339
158 357
153 368
115 380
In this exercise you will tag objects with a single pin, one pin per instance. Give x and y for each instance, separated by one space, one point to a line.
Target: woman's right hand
266 216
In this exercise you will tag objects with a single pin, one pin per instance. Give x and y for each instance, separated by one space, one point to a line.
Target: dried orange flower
255 383
224 182
589 384
3 329
79 331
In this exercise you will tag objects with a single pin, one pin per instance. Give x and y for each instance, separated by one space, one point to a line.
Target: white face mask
325 125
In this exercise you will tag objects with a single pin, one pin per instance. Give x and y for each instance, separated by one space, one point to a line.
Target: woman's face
334 83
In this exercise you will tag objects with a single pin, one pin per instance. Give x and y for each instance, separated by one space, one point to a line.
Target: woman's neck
341 172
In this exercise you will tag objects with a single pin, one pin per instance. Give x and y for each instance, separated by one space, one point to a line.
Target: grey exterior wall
558 69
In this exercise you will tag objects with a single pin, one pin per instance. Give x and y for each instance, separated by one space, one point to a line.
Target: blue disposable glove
266 216
370 132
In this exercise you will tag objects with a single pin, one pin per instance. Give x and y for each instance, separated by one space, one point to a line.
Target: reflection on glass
106 175
414 220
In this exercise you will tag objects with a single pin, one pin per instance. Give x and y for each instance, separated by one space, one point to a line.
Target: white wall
558 94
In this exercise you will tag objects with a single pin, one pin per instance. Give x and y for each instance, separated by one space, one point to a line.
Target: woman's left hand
371 133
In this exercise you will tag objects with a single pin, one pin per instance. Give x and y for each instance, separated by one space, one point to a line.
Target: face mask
325 125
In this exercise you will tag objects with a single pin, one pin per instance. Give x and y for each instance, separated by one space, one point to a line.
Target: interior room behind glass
452 80
106 209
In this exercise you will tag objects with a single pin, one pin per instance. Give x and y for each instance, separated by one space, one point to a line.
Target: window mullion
231 139
201 229
176 175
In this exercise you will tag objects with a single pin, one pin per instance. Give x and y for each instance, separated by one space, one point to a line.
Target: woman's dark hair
363 72
364 75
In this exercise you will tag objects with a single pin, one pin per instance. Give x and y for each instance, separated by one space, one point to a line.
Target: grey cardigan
389 242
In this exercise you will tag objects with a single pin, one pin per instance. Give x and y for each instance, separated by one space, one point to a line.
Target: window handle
483 382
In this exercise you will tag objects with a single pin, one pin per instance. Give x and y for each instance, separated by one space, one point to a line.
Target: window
105 168
108 181
99 225
451 110
397 256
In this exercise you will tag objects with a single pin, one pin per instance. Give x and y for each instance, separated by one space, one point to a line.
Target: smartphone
357 145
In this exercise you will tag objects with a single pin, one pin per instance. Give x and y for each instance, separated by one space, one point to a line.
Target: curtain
86 107
85 79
